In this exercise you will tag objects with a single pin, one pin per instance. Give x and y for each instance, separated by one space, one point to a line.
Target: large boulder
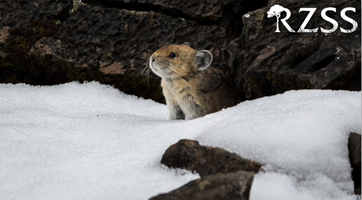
224 13
119 41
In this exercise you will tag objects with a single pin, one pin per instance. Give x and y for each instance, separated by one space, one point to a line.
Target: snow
90 141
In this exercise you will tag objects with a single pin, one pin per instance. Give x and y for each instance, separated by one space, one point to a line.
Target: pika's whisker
145 69
148 78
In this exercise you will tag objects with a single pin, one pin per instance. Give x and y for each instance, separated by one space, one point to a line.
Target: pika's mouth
154 68
152 65
157 69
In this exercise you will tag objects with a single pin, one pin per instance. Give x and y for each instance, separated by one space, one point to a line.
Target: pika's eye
172 55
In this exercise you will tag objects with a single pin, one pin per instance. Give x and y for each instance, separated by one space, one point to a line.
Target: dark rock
231 186
354 147
272 62
121 41
189 154
22 62
224 13
20 13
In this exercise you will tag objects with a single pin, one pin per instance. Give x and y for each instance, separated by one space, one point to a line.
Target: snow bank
89 141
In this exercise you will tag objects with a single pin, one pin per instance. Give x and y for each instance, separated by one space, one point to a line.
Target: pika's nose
152 59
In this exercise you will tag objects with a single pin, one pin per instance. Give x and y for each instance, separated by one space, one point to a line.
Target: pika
191 88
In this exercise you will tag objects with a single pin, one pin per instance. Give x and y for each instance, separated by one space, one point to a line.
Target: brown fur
190 91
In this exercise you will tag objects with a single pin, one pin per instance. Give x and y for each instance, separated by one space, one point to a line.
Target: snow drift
90 141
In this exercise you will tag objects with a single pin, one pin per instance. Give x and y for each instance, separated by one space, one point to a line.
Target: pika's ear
186 43
203 59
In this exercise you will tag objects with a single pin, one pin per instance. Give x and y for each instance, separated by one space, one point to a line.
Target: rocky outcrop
231 186
113 39
270 62
354 147
190 155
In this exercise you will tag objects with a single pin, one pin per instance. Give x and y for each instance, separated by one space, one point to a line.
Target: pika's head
179 60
